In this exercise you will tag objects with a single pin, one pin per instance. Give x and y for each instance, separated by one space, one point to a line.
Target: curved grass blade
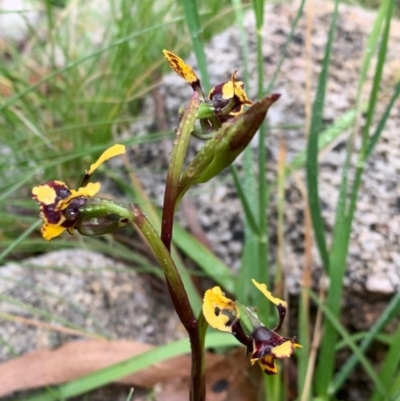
392 310
350 343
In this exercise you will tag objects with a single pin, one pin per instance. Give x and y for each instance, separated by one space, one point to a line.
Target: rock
83 291
15 18
380 284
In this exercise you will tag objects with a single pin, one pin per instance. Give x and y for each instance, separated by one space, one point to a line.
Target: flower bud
226 145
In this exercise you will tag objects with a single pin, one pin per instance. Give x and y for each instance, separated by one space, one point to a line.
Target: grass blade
391 310
193 25
382 122
342 230
74 64
388 370
325 138
312 148
350 342
250 218
210 264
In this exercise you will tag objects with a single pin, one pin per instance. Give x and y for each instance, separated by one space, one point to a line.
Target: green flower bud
226 145
101 216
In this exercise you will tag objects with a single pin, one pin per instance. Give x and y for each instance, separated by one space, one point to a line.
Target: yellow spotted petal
91 189
113 151
180 67
284 350
50 231
241 94
45 193
264 290
228 91
219 311
267 364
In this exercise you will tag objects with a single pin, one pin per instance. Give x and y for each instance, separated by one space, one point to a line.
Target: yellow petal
284 350
264 290
180 67
50 231
267 364
241 94
45 193
115 150
219 311
228 91
91 189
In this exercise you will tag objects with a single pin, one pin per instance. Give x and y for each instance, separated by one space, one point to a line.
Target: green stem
179 299
175 167
178 293
181 304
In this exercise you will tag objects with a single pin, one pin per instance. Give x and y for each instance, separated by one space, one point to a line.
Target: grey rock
83 291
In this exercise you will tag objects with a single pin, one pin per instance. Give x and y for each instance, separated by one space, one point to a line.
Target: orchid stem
181 304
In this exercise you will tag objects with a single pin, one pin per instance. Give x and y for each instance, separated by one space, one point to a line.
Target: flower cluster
223 120
64 209
262 344
226 100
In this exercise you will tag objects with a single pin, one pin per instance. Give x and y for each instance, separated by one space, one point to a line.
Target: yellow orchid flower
60 206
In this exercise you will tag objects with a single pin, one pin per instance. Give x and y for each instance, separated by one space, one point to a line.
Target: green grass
57 117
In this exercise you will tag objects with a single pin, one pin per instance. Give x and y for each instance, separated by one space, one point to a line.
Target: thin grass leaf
377 76
43 314
350 343
248 186
385 339
74 64
373 139
312 147
286 46
57 159
339 254
303 325
262 268
238 7
325 138
193 25
18 240
392 310
206 259
390 367
343 224
258 8
250 218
